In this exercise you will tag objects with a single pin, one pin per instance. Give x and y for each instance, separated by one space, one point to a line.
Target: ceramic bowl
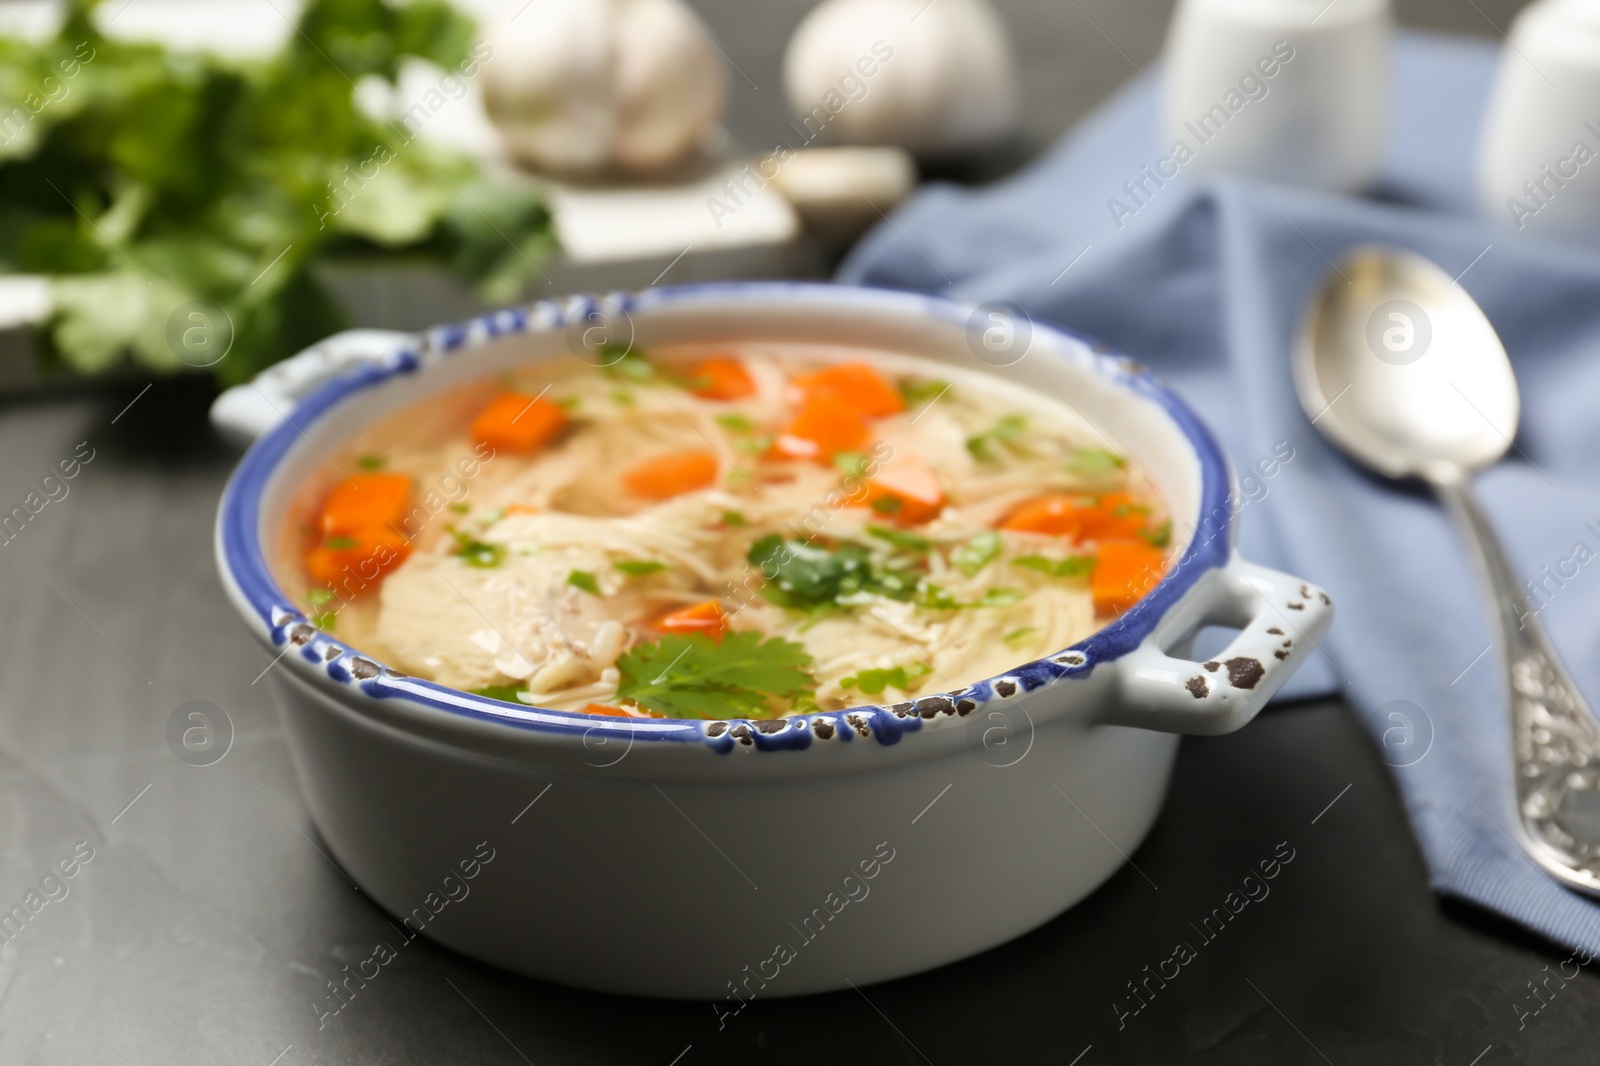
726 860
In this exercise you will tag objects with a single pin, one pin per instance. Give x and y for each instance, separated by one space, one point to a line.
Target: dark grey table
206 923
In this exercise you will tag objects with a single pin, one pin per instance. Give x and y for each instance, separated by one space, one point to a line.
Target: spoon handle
1555 739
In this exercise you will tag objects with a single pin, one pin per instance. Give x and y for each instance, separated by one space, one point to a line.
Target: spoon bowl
1398 366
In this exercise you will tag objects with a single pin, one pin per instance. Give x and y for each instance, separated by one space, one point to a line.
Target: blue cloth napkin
1206 282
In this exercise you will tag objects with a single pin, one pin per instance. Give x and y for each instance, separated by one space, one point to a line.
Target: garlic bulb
934 78
591 85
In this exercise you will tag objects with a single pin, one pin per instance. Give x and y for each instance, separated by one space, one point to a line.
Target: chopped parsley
850 464
976 553
584 580
936 598
622 397
1095 462
922 390
693 676
508 693
639 567
900 538
341 543
1159 537
810 577
474 552
323 620
569 403
872 682
1071 566
1019 634
1005 432
734 519
888 504
372 462
318 597
460 508
627 364
737 423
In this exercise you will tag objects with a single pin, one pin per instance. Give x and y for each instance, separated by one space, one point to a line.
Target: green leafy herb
694 676
318 597
1018 635
491 516
1071 566
759 444
1159 537
734 519
902 539
584 580
372 462
872 682
324 620
460 508
1005 432
1092 462
850 464
474 552
341 543
976 553
888 504
810 577
627 364
937 598
622 397
737 423
569 403
922 390
508 693
184 204
639 567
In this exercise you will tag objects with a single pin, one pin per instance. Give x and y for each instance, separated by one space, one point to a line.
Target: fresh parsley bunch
148 179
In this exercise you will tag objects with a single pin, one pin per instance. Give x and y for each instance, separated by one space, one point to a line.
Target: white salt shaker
1293 91
1539 156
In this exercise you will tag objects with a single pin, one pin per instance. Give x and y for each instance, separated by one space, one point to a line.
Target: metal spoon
1398 367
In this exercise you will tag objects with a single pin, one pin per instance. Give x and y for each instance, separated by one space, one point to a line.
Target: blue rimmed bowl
726 860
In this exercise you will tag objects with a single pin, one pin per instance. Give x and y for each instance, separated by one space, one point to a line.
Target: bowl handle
244 412
1280 619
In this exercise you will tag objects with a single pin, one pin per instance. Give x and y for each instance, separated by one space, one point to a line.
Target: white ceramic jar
1539 158
1293 91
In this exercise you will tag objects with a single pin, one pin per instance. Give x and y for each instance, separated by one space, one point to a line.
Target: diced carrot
823 427
1124 571
708 618
906 490
605 709
722 378
1115 516
516 422
366 500
355 559
672 474
1057 513
859 385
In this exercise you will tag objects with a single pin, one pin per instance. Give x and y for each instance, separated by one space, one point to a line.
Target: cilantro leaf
810 577
694 676
736 423
976 553
584 580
